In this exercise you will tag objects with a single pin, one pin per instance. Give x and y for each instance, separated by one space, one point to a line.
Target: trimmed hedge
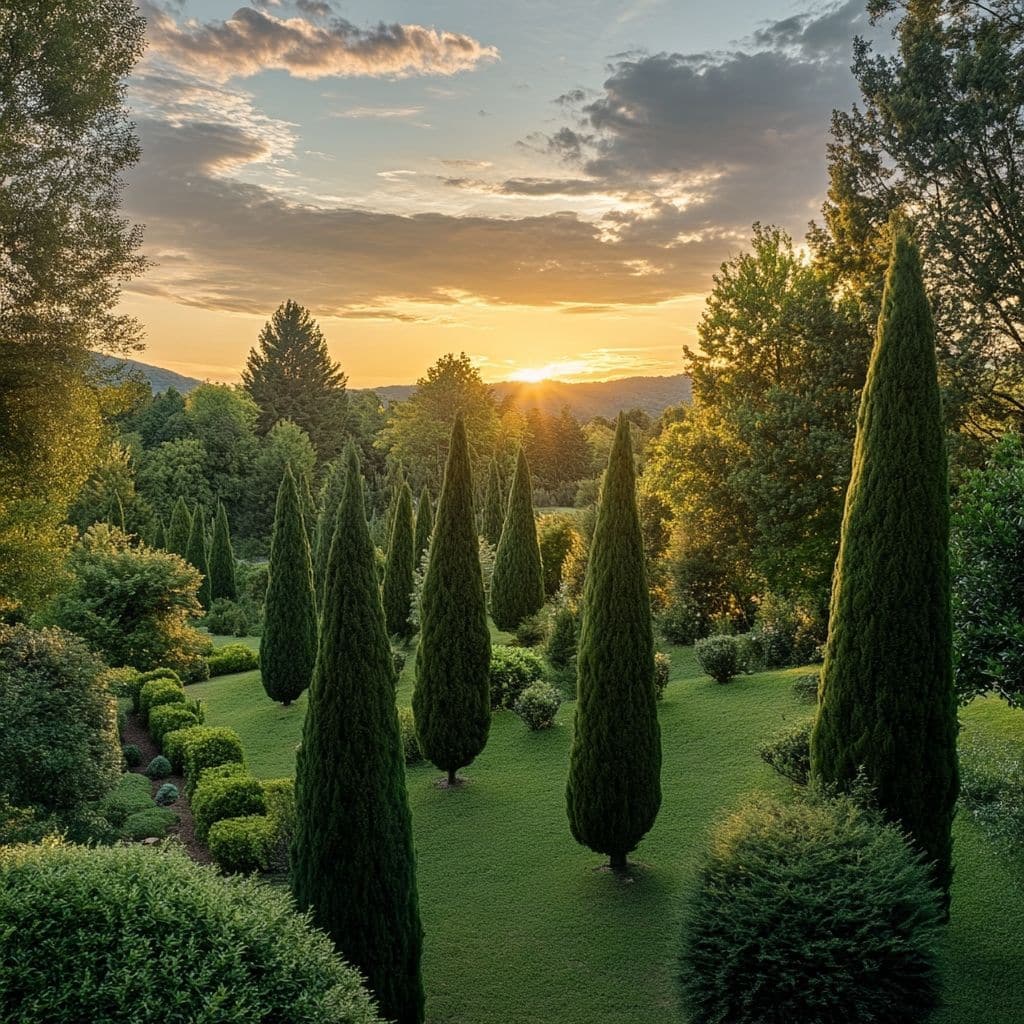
158 768
157 692
167 718
208 746
513 669
152 823
133 689
243 845
216 798
131 795
232 658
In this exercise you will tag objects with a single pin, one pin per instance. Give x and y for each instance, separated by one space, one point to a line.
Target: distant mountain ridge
586 399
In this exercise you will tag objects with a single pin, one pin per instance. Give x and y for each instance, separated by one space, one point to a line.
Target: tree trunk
617 862
452 780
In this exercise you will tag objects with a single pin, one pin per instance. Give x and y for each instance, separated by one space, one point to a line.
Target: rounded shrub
81 925
789 753
130 796
166 795
720 657
805 687
159 767
122 682
206 747
537 705
662 670
243 845
152 823
216 798
174 744
410 744
533 630
513 669
167 718
813 911
133 689
157 692
132 755
232 658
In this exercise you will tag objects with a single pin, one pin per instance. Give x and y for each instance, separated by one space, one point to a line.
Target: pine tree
159 536
888 707
198 555
400 566
614 788
494 507
451 701
331 493
289 641
424 526
352 858
179 529
517 587
222 559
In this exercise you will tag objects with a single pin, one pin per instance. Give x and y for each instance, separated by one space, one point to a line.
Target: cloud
251 41
817 33
530 186
377 113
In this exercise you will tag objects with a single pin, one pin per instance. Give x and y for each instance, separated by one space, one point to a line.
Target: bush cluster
208 747
232 658
410 743
513 669
150 823
243 845
788 632
130 796
533 630
228 618
133 688
220 795
157 692
538 705
169 717
789 753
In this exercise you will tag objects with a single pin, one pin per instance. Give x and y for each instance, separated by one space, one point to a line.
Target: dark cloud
530 186
253 40
817 33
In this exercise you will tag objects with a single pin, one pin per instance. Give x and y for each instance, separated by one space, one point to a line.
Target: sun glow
551 371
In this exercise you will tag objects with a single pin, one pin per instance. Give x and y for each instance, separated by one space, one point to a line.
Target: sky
546 185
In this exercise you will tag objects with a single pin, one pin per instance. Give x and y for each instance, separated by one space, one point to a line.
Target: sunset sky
547 185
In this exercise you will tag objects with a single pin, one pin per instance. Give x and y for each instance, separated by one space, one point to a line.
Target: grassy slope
519 925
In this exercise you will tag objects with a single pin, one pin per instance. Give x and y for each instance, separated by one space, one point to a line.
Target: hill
159 379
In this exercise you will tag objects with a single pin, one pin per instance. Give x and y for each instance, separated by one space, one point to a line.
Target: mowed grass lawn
521 928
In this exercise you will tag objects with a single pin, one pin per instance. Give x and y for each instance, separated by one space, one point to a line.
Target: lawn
521 928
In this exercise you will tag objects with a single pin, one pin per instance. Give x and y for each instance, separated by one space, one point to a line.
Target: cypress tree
614 788
179 529
452 701
308 507
196 553
331 493
222 559
352 857
887 700
424 526
159 536
289 640
517 587
400 565
494 506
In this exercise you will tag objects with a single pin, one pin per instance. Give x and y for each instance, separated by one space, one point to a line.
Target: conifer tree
451 701
179 529
887 700
308 508
424 526
197 555
289 641
517 587
222 559
331 493
400 565
159 536
352 858
614 788
494 507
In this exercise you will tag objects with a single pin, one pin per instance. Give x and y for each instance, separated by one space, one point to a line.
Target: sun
530 375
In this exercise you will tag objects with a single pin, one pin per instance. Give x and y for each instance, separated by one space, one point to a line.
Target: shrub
561 644
805 688
232 658
151 823
532 630
174 746
158 768
789 753
410 744
157 692
233 797
228 618
992 789
513 669
134 688
130 796
194 668
662 670
537 705
58 740
398 660
122 682
243 845
206 747
167 718
132 755
556 535
789 633
812 911
720 657
280 797
681 622
166 795
81 925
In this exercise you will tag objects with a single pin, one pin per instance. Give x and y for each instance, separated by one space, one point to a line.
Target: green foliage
280 797
556 536
561 643
789 753
398 574
721 657
158 768
513 669
132 755
352 859
894 717
166 718
242 845
232 658
533 630
216 798
166 795
614 788
992 789
206 746
289 640
197 556
493 518
424 526
517 587
805 687
58 745
222 560
179 530
788 632
331 493
538 705
157 692
152 823
78 918
122 682
227 618
130 796
451 700
411 752
287 446
811 911
130 603
662 670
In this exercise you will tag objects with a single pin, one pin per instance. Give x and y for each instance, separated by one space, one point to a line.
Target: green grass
520 927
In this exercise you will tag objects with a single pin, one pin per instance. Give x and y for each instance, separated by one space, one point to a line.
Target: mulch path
185 831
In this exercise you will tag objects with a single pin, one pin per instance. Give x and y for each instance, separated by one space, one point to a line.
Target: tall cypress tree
331 493
222 559
517 587
400 565
308 507
289 640
494 506
197 554
352 857
159 535
452 701
887 699
614 788
424 526
179 529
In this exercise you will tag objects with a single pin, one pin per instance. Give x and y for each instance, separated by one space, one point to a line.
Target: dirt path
135 732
